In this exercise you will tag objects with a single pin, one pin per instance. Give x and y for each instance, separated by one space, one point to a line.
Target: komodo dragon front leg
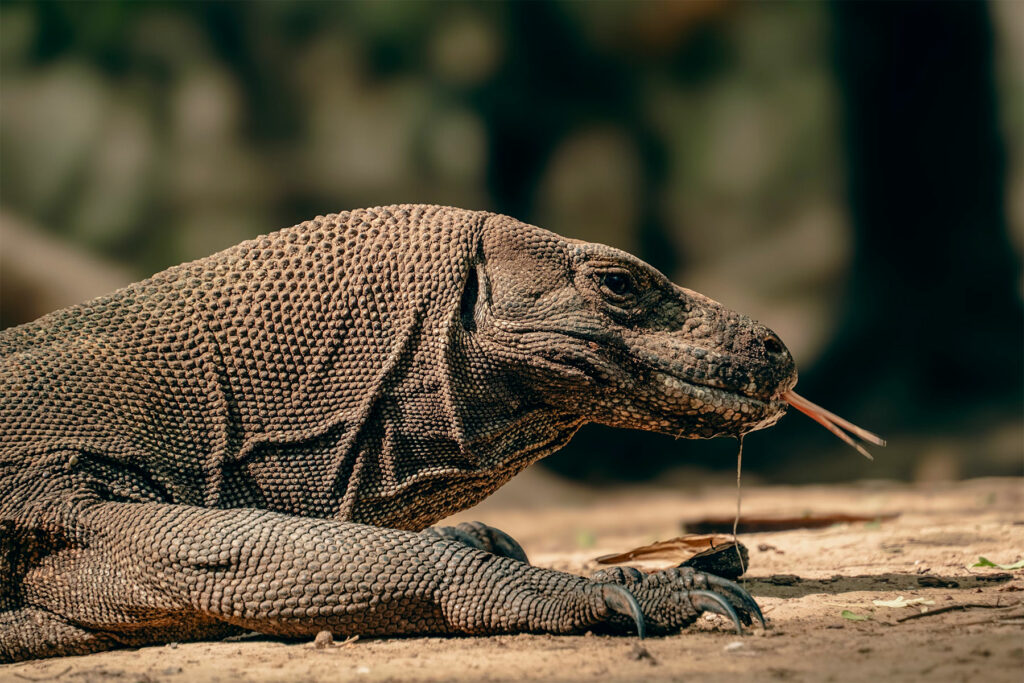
201 573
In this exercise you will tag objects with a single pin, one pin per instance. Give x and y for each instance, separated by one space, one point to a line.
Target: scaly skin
258 439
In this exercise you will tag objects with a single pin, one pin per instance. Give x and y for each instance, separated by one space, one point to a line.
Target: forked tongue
833 422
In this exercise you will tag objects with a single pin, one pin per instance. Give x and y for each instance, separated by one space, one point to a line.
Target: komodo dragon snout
609 338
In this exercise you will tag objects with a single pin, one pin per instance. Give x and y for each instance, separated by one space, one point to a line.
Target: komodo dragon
259 439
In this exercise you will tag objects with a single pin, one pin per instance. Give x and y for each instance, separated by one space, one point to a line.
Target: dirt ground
941 529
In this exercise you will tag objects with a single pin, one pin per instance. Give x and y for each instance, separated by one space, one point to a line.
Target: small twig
1001 619
953 608
833 422
42 678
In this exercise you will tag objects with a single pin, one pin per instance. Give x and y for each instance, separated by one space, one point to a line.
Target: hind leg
30 632
34 633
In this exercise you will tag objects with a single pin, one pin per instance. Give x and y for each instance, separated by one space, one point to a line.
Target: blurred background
850 174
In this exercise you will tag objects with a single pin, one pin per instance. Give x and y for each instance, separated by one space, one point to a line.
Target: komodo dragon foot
658 603
674 598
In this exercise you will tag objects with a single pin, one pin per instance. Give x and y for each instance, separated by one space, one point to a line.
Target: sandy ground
941 529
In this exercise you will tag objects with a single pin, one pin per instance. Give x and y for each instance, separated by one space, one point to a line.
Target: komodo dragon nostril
772 345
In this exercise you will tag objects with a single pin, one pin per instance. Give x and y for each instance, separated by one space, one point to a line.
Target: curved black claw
739 594
706 601
622 602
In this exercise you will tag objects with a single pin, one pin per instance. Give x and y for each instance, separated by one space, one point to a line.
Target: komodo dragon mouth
730 399
743 396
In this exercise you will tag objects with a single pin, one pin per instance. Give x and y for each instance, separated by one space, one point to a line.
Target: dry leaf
678 549
712 553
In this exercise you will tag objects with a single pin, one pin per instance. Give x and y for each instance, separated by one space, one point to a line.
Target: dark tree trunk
933 323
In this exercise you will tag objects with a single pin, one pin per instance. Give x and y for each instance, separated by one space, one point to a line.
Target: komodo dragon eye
618 283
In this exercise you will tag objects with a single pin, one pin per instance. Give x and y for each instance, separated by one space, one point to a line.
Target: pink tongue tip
833 422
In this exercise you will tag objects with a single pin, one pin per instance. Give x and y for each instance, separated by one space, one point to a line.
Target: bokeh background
850 174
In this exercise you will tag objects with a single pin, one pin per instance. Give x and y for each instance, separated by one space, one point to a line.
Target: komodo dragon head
603 335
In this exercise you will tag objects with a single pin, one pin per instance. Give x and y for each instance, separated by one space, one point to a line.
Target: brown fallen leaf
678 549
712 553
752 524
